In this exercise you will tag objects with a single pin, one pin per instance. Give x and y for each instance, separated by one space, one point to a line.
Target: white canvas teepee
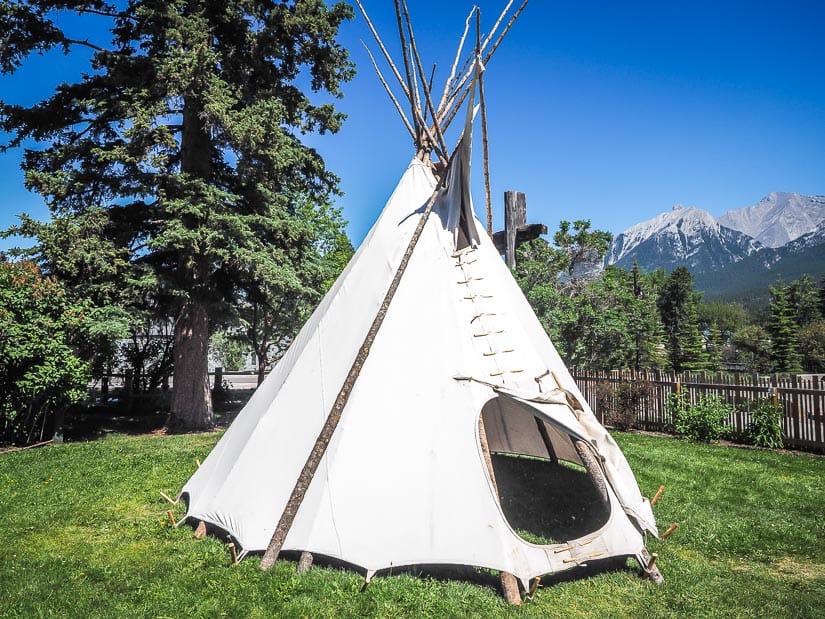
404 478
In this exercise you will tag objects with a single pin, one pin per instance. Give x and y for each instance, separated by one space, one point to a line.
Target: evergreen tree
179 150
715 347
750 345
678 310
803 297
822 296
784 332
644 322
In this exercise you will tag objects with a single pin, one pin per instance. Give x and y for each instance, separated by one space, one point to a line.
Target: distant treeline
616 318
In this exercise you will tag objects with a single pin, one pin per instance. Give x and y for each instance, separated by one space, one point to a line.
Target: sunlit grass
84 534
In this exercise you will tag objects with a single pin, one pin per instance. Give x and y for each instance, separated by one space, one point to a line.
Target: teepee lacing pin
482 314
580 560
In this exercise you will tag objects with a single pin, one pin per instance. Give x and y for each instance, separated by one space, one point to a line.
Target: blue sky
605 111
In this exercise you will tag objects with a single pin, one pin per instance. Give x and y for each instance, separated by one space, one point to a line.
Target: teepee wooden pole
322 442
413 96
487 197
451 76
427 94
503 32
389 92
383 49
457 96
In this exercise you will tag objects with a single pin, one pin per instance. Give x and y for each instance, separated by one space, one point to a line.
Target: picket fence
801 398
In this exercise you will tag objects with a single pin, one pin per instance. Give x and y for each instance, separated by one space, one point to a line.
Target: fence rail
801 398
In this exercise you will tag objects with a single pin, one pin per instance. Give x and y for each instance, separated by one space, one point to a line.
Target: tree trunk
262 362
191 398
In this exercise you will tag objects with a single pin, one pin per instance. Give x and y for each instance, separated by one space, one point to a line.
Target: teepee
372 441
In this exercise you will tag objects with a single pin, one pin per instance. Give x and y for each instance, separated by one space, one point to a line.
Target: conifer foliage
678 307
783 329
185 134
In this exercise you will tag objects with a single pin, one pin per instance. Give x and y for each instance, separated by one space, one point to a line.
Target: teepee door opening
549 485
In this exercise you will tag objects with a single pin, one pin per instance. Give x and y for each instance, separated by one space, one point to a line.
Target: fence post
218 385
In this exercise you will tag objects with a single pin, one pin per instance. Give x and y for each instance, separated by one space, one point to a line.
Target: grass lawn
84 534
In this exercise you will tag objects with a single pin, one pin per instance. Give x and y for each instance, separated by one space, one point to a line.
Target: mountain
683 236
753 275
778 218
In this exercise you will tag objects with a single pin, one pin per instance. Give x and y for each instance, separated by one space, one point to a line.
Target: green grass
84 534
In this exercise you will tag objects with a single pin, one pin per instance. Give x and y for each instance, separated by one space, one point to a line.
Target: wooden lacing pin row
653 558
566 548
658 495
171 517
669 530
464 250
481 315
577 560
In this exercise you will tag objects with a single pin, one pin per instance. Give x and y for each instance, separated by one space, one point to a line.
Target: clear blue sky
606 111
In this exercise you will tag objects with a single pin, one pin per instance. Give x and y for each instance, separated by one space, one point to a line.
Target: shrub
627 403
603 397
703 421
39 371
765 428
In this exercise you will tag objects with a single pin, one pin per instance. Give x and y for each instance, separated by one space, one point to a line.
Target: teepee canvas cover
403 479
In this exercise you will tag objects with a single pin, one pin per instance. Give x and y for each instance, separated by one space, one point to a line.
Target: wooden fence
802 400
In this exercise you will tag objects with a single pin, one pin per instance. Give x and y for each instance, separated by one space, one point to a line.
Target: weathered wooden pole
516 231
515 215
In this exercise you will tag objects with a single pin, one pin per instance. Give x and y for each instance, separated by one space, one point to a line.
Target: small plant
704 421
765 428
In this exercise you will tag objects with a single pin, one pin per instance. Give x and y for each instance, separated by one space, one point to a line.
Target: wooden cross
516 229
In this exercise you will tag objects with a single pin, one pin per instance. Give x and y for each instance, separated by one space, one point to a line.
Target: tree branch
67 41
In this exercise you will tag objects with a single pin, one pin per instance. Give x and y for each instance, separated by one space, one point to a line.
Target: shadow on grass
142 414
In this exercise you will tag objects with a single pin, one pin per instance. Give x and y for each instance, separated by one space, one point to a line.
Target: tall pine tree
184 136
784 332
678 309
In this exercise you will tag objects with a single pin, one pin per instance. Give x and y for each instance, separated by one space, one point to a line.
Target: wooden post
515 215
218 379
304 563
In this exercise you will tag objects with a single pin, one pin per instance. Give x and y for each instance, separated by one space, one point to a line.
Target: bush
627 403
39 371
603 398
765 428
704 421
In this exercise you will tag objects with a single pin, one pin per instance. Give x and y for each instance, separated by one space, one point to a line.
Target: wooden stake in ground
200 531
304 563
